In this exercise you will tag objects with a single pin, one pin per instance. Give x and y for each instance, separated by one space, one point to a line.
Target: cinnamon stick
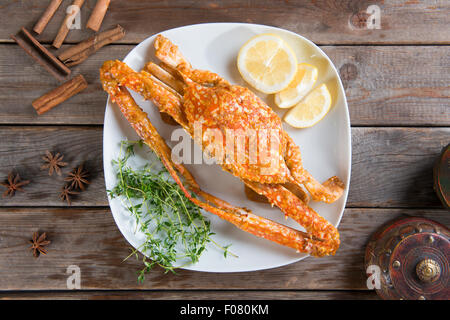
97 15
46 16
40 54
80 52
60 94
68 20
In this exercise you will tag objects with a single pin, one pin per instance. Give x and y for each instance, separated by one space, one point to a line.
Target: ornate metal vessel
441 173
409 259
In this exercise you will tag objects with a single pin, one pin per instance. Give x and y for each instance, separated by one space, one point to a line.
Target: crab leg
296 209
329 191
171 56
146 85
243 219
165 77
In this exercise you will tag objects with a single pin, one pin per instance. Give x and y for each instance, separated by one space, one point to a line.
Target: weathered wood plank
395 85
324 21
392 167
22 149
90 239
384 86
23 81
191 295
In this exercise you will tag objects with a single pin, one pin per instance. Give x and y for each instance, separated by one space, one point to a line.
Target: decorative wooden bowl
412 256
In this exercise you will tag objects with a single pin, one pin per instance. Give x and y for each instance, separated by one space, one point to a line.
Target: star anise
54 162
77 178
38 243
13 184
66 193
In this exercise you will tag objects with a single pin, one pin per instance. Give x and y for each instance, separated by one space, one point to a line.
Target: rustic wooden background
397 85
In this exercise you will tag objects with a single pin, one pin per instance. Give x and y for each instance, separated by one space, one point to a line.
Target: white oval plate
326 147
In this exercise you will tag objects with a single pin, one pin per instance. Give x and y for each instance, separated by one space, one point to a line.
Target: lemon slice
311 110
303 82
267 63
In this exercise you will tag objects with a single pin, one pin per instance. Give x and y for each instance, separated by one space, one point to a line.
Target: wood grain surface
322 21
391 167
385 85
397 86
89 238
23 149
193 295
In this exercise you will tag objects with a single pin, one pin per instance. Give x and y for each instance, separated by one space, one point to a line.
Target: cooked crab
199 99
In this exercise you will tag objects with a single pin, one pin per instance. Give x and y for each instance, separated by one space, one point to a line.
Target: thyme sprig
176 233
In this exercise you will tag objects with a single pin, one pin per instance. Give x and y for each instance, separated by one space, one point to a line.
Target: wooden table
397 84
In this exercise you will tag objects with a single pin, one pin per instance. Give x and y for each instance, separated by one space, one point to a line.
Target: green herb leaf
176 233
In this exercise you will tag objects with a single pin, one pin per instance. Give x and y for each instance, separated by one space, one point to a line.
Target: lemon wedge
311 110
303 82
267 63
